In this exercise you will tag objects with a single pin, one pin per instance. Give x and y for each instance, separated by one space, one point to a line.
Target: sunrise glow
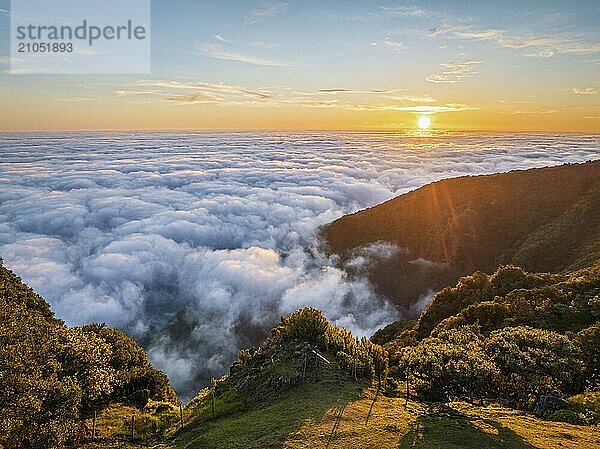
288 65
424 122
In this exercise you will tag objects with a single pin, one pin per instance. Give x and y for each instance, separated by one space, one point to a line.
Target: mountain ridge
542 219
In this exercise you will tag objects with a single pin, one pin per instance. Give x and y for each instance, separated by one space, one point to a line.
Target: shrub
587 405
566 415
451 365
588 342
532 362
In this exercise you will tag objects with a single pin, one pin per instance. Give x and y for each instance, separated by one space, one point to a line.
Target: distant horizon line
410 131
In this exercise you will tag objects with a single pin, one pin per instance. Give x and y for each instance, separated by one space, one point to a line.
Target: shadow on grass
267 424
447 428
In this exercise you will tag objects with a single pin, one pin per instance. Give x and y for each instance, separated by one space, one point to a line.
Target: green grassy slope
269 424
308 417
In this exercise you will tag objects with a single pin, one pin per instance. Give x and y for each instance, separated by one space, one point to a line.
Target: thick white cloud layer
195 243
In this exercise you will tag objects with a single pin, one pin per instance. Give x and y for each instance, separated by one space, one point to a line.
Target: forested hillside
52 376
544 220
512 335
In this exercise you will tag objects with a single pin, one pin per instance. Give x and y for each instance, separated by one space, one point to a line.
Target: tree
532 362
450 365
52 375
588 342
132 372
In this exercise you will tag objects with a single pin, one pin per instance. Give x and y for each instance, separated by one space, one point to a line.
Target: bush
451 300
519 364
452 365
588 342
566 415
512 297
392 331
587 405
533 362
306 324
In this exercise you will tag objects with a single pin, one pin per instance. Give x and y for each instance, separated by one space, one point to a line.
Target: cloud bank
195 243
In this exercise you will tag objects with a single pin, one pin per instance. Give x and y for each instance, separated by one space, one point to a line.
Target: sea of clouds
196 243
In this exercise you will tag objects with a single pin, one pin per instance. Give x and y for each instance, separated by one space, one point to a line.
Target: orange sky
350 65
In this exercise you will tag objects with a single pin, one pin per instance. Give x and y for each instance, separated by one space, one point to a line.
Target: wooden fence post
338 419
181 415
371 408
132 426
406 403
304 369
213 403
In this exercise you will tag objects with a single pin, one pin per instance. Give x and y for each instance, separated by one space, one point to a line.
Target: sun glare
424 122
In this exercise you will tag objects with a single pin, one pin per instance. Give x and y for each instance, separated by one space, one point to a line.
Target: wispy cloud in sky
196 97
218 52
533 111
6 60
405 11
390 43
337 90
454 72
386 12
471 32
545 46
432 109
585 90
413 98
268 9
541 53
356 99
202 91
222 39
264 44
442 29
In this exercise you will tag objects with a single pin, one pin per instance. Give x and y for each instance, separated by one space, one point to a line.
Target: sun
424 122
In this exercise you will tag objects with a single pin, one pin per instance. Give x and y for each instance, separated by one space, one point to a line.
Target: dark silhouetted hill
543 220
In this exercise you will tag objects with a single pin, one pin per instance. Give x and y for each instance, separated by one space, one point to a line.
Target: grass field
324 416
309 417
